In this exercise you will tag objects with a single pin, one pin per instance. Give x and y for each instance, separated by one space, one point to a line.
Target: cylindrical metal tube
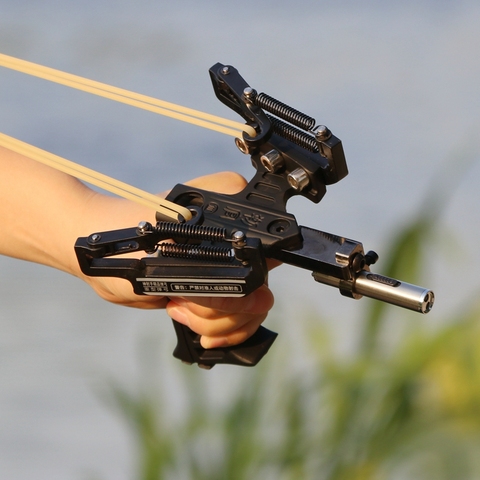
394 291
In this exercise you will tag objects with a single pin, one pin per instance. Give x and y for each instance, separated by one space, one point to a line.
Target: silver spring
299 137
191 232
196 252
284 111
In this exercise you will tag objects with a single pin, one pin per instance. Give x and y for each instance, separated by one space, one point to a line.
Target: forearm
43 211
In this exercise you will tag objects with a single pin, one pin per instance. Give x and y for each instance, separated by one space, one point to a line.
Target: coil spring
303 139
196 252
286 112
191 232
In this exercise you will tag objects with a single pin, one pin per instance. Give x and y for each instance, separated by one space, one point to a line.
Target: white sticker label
181 286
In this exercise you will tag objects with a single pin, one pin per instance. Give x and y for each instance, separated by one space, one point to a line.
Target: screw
95 238
239 239
225 70
323 133
371 257
144 227
249 93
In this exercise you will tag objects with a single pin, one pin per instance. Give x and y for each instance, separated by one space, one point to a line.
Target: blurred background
89 390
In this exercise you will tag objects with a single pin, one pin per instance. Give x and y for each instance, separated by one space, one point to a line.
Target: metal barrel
406 295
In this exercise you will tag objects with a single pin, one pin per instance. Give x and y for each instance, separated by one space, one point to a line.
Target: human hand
220 321
44 211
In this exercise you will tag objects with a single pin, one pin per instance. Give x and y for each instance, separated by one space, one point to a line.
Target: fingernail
215 342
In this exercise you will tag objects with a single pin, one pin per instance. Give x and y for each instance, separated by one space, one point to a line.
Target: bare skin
38 203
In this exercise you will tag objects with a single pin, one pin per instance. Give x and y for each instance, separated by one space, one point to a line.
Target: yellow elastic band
166 208
185 114
189 115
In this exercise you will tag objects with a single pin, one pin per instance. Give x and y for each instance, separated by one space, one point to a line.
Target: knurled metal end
298 179
323 133
272 161
242 146
225 70
144 227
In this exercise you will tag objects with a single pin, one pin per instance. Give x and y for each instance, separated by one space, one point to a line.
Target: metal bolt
298 179
249 93
95 238
272 161
239 239
323 133
144 227
225 70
